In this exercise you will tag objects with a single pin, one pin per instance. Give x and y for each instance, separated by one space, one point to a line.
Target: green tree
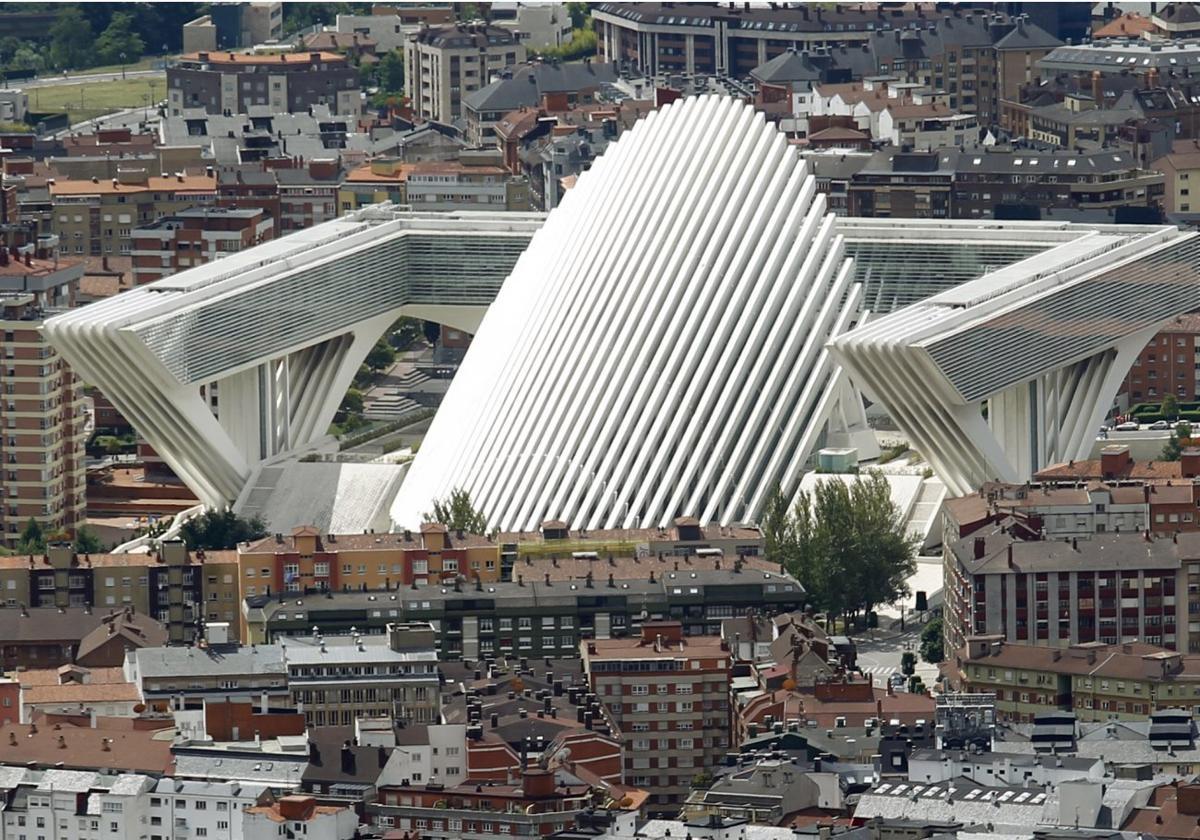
457 513
352 403
1170 407
849 547
33 539
932 642
405 332
221 529
119 43
86 541
71 39
432 330
381 356
1181 436
113 446
908 663
389 73
916 685
779 544
579 14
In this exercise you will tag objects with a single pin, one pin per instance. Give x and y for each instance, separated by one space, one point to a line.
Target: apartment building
554 87
166 585
669 697
42 411
538 618
1096 681
194 237
308 561
983 182
1113 588
194 808
443 64
372 183
308 195
1170 362
338 679
48 801
228 82
97 217
470 183
535 804
173 678
1181 169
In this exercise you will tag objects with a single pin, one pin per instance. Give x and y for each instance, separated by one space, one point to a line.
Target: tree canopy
221 529
932 642
120 42
457 513
71 39
1181 436
33 538
845 543
86 541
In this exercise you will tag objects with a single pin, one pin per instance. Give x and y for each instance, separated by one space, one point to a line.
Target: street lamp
122 66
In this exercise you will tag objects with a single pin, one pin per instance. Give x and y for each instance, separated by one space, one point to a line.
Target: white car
1128 426
1160 425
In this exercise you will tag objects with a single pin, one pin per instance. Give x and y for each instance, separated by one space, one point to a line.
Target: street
54 81
879 659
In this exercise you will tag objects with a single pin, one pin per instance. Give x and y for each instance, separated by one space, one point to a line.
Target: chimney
980 547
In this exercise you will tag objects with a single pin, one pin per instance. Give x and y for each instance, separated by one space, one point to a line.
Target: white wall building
199 809
298 816
537 24
115 806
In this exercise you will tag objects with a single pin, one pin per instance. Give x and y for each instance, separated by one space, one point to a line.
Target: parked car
1127 426
1160 425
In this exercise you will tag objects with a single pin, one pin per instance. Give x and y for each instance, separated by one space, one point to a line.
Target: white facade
643 359
388 32
117 807
538 25
662 345
1016 370
210 810
324 823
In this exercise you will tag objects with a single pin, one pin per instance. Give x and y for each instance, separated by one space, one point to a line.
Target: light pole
122 66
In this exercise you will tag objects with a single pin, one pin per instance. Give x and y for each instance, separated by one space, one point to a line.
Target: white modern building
662 343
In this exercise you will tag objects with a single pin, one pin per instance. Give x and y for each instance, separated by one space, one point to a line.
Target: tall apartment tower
43 423
669 697
443 64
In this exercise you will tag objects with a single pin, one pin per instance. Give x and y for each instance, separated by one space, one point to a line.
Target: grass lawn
87 100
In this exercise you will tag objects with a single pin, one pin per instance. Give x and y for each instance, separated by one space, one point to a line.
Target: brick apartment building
193 237
307 560
1169 364
42 411
669 698
221 82
1110 587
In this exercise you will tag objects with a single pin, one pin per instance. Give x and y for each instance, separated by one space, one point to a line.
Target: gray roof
1102 552
462 36
1123 56
1027 35
190 787
302 650
836 167
186 661
278 771
789 66
47 624
529 81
